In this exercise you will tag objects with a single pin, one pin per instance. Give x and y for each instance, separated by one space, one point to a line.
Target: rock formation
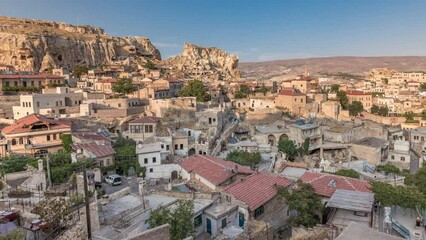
204 63
35 45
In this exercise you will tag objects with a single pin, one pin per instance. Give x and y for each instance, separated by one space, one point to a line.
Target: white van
113 179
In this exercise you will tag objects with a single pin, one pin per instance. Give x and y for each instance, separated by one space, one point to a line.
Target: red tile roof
94 149
213 169
146 119
325 184
291 92
30 76
257 189
24 124
356 92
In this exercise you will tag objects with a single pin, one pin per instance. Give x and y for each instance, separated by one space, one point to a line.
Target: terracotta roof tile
325 184
24 124
213 169
30 76
291 92
94 149
257 189
108 80
356 92
146 119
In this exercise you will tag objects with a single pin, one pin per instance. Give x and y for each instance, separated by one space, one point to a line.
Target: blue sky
254 30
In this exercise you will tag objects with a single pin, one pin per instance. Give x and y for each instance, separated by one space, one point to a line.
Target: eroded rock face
34 45
205 63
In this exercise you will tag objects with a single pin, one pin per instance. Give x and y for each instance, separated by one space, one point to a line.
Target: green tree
242 92
288 147
423 115
383 111
335 88
420 179
66 142
409 117
343 99
150 65
385 80
355 108
79 70
347 173
388 169
123 86
422 87
403 196
244 158
374 109
305 203
305 146
180 219
195 88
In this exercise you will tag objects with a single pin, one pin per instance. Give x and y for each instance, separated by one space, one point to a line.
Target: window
154 159
181 146
167 147
162 146
145 160
38 104
361 214
392 157
48 137
198 220
13 141
151 170
259 211
21 141
224 223
176 147
402 158
295 99
54 136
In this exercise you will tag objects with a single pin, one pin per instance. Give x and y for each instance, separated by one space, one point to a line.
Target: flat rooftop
354 230
351 200
120 205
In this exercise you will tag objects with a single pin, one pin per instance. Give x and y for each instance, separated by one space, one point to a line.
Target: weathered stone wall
161 232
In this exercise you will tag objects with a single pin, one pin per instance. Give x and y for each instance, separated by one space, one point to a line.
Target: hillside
354 65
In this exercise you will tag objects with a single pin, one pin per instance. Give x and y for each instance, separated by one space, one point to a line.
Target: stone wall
76 232
161 232
393 121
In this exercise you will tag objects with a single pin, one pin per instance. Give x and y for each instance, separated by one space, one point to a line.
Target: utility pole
86 200
49 179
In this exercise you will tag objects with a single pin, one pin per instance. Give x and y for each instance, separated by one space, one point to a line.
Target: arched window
21 141
13 141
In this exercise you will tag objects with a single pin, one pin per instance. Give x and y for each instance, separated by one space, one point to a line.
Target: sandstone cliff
34 45
205 63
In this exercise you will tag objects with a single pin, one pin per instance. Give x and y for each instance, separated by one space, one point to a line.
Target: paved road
125 182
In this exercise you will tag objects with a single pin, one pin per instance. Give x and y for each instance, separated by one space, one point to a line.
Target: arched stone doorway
272 140
283 137
191 152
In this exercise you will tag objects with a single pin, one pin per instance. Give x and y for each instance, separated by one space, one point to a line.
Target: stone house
257 198
185 105
29 80
35 135
100 153
372 149
400 154
88 137
60 102
151 157
142 128
341 133
292 100
213 172
365 98
271 134
111 108
300 131
105 85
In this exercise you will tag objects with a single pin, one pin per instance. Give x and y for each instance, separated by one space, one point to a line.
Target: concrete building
400 154
100 153
152 156
105 85
185 105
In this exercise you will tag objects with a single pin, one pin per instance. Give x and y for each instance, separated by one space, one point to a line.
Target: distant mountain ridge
347 64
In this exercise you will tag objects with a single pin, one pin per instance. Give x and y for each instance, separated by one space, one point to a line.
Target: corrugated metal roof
351 200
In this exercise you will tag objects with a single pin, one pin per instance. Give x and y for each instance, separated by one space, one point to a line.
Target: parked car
113 179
